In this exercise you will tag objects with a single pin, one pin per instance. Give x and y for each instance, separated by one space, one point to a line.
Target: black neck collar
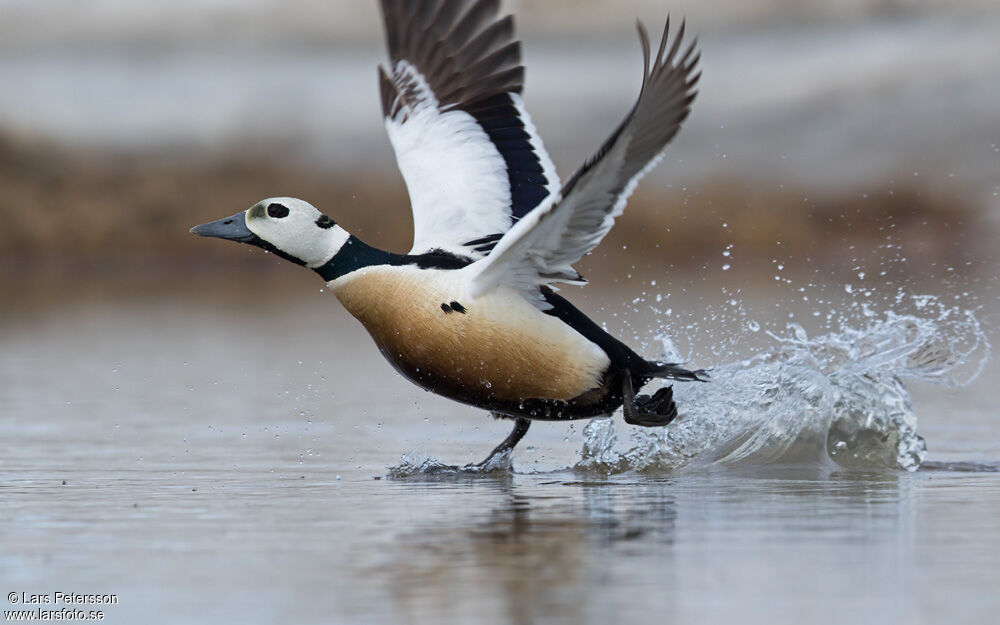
356 254
353 255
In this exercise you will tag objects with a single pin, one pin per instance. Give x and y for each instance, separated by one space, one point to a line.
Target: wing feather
471 158
541 247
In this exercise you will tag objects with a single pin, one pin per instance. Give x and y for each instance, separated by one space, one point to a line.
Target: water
838 397
217 459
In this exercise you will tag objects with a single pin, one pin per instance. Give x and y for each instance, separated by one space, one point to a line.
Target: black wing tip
670 59
466 51
644 43
387 92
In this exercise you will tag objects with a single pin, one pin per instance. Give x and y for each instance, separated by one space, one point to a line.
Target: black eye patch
277 211
325 222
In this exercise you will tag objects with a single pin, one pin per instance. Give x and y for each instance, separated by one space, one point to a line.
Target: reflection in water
553 547
512 560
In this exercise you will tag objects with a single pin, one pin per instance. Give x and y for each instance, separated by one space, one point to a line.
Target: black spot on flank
325 222
458 307
446 308
277 210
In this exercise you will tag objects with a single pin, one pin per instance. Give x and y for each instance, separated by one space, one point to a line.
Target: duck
472 311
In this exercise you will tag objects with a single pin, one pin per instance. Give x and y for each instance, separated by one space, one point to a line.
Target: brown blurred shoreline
83 216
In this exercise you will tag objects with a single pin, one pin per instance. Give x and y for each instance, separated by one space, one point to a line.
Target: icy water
220 460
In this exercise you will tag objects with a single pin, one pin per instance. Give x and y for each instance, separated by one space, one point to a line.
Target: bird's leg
499 458
645 410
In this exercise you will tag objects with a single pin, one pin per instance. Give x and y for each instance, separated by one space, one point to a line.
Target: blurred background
196 425
861 135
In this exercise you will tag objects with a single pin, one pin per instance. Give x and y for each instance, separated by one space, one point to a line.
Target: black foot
645 410
499 458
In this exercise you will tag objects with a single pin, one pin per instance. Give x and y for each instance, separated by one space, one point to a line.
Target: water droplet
799 332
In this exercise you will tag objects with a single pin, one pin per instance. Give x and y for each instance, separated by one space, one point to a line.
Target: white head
290 227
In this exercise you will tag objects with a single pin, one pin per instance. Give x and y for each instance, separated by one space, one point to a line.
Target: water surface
213 460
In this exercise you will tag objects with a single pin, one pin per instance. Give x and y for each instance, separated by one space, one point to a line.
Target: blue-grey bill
233 228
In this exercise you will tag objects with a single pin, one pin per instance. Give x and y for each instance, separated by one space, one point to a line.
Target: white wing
541 247
471 158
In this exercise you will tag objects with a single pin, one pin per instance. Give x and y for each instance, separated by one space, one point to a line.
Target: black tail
672 371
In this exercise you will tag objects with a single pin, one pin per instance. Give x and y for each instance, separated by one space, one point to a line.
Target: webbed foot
654 410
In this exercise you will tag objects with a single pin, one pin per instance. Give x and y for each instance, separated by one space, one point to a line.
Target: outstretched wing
471 158
542 246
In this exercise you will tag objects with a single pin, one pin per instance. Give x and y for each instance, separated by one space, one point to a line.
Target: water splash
837 397
414 463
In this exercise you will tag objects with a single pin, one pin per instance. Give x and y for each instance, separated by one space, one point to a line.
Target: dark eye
277 211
